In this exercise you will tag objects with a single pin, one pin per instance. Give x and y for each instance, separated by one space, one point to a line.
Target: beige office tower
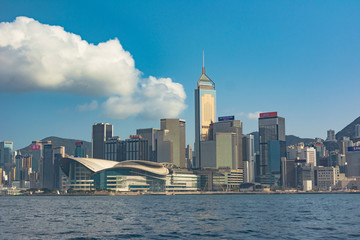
205 112
171 142
224 146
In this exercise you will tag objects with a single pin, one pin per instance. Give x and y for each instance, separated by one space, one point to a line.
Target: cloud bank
40 57
254 116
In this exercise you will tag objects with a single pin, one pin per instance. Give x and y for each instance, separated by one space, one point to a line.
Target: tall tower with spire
205 111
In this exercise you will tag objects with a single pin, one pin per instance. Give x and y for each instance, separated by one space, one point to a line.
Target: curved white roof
152 167
96 165
92 164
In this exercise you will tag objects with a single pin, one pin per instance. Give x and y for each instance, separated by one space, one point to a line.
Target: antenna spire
203 68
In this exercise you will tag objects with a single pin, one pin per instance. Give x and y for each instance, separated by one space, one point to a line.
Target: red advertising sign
35 147
79 143
135 136
268 114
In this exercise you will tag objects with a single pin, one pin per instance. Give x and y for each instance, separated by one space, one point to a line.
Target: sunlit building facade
205 113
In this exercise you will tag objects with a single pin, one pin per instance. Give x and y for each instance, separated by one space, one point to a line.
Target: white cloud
88 106
253 116
156 98
36 56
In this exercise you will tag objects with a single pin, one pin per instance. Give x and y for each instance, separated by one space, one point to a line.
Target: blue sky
300 58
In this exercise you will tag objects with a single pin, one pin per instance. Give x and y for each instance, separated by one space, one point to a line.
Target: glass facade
79 177
6 155
130 149
272 148
119 179
101 132
182 181
205 113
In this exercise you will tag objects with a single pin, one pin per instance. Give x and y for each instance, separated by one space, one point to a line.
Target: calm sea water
284 216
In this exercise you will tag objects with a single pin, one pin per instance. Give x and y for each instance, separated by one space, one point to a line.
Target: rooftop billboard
226 118
268 114
352 149
35 147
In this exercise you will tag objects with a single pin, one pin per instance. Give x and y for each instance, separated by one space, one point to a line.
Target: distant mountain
69 145
290 140
348 131
294 140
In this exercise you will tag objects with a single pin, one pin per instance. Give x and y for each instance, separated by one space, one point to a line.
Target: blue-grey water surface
277 216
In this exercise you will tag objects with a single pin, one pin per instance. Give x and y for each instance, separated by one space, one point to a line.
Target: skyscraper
205 111
149 134
272 147
47 172
331 136
79 149
59 153
101 132
37 155
249 158
171 142
134 148
6 155
357 130
223 149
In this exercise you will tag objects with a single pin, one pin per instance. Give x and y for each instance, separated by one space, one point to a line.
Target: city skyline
296 58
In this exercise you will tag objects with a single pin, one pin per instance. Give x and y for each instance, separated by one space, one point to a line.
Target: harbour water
275 216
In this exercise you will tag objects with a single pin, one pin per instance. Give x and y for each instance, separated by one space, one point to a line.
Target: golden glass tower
205 111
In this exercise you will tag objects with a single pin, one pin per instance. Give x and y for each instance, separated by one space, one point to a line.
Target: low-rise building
325 178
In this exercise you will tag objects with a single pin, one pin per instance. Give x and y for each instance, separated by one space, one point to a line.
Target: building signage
352 149
135 137
35 147
79 143
226 118
268 114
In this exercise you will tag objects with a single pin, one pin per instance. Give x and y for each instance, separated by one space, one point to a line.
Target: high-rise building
113 149
353 162
249 157
331 136
37 152
6 155
223 149
47 171
303 153
59 153
171 142
189 156
205 112
134 148
80 149
149 134
357 131
272 147
101 132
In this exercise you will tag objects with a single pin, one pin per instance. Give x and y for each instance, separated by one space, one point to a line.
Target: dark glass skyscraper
272 147
205 113
6 155
149 134
47 172
101 133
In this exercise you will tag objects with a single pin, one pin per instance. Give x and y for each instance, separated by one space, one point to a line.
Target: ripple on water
184 217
